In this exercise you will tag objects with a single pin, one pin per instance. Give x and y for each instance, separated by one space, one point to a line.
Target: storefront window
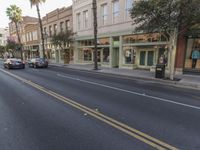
115 41
87 55
129 56
106 55
192 58
103 41
86 43
150 58
142 38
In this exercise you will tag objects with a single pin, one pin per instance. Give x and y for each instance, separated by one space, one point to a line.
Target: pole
41 30
94 4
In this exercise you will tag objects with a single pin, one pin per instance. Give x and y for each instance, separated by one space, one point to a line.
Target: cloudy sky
46 7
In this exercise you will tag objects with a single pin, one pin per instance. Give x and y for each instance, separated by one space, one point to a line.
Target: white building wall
123 24
4 35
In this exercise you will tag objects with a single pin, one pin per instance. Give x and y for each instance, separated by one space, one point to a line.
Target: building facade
54 22
188 44
28 32
31 40
118 45
4 34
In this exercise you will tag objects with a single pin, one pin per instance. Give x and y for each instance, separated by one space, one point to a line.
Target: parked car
14 63
38 62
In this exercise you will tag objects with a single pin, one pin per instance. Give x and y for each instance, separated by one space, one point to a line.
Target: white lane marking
131 92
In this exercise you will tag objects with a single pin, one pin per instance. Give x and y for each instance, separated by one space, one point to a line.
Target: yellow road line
112 122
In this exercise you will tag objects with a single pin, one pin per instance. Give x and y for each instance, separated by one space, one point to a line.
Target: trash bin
160 71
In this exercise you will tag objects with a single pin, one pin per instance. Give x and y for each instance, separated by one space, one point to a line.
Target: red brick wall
181 49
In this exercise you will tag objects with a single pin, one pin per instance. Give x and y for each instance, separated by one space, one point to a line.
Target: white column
111 52
120 51
75 52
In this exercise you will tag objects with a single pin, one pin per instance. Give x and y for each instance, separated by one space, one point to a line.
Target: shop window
103 41
115 41
142 38
87 55
129 56
86 43
106 55
192 57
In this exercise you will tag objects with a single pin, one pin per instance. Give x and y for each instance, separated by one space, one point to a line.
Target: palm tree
36 3
94 5
15 15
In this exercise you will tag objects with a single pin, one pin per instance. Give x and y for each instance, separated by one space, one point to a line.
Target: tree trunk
41 31
19 40
95 34
173 45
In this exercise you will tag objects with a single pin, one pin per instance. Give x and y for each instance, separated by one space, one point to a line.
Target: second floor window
61 27
129 4
104 14
50 31
115 11
45 30
55 28
78 17
85 18
67 24
34 33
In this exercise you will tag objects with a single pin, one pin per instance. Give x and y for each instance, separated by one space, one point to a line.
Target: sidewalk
185 81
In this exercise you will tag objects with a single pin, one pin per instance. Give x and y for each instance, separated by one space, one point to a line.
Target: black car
12 63
38 62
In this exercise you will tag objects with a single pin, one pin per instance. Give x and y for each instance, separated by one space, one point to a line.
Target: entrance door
115 58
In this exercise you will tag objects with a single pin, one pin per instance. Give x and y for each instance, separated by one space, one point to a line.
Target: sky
45 8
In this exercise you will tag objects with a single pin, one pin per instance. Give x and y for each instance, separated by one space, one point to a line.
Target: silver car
12 63
38 62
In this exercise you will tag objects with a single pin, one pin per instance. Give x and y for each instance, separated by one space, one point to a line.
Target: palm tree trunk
95 34
41 30
19 40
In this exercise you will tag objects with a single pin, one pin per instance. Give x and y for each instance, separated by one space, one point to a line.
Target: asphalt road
38 112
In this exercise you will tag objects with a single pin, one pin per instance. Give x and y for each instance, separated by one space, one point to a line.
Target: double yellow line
157 144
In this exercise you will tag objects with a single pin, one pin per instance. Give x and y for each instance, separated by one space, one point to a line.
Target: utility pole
94 4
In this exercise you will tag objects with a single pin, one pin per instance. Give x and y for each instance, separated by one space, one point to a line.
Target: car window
39 59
